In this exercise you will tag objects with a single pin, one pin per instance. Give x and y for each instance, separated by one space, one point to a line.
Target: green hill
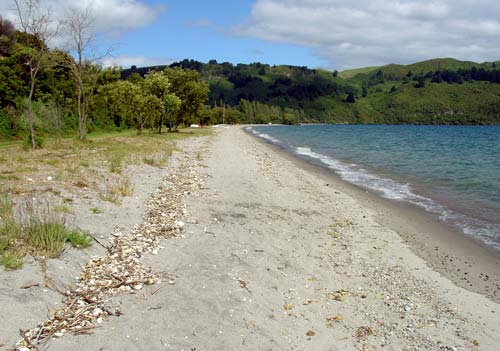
438 91
349 73
397 72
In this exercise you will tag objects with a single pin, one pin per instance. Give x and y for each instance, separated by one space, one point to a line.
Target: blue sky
332 34
202 30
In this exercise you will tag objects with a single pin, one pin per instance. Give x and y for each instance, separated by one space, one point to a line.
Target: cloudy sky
334 34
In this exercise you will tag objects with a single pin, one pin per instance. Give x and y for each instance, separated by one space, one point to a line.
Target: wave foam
391 189
262 135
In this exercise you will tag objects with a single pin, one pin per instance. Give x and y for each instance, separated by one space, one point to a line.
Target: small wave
262 135
391 189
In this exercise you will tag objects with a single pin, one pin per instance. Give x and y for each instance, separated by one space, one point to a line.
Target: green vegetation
35 230
439 91
350 73
63 209
78 239
64 96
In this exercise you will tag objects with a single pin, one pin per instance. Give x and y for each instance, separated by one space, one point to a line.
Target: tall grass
33 229
115 163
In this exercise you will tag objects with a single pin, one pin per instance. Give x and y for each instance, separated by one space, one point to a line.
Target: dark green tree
351 99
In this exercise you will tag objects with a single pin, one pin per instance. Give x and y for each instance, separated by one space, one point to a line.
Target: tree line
47 90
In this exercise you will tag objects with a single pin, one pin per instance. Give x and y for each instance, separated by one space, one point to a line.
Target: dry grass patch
69 166
116 188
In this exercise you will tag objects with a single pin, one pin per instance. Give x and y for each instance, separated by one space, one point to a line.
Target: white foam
391 189
262 135
388 188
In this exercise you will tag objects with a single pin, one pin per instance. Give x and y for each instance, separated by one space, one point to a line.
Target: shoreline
466 261
270 258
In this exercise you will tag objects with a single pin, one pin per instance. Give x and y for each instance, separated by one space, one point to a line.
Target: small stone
310 333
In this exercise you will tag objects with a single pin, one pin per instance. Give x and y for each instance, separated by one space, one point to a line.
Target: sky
332 34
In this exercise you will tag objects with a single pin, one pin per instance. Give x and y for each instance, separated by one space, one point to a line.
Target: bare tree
79 28
39 29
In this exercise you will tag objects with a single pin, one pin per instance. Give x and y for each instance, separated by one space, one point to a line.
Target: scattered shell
363 332
179 224
335 318
120 269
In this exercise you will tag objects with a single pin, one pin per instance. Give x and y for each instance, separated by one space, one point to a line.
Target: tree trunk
159 125
30 112
81 114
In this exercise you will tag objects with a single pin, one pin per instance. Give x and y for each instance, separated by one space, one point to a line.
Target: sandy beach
276 254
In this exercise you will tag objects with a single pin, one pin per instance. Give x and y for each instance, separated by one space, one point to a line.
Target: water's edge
389 189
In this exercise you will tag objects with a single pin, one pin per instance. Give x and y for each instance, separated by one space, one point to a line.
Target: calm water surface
453 171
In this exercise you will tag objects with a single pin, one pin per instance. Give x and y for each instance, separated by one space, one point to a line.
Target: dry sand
275 257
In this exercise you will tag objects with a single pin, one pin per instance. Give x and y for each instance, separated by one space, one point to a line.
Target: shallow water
453 171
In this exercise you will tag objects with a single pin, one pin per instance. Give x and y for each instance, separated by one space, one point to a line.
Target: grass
116 189
11 260
63 209
95 210
46 237
8 177
79 239
36 230
76 167
157 159
124 187
115 163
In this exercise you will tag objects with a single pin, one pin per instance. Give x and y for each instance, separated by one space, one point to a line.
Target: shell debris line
120 270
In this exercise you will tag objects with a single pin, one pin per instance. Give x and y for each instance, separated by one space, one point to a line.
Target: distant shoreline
463 260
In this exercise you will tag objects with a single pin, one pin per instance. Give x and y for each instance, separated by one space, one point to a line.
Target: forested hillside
439 91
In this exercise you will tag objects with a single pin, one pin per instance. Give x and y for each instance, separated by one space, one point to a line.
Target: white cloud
139 61
109 15
348 33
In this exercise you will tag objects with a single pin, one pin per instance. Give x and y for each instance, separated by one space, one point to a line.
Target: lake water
453 171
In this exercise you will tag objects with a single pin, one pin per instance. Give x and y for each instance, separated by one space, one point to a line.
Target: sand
275 256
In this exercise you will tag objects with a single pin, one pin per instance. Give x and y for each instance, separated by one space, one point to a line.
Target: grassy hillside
350 73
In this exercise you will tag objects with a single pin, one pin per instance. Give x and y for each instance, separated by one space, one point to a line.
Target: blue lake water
453 171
